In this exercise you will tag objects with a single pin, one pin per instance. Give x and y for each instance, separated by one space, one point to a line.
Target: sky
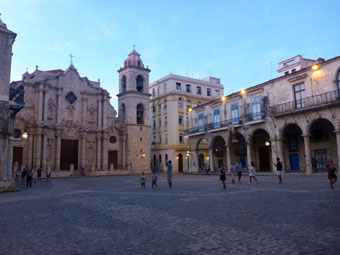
238 41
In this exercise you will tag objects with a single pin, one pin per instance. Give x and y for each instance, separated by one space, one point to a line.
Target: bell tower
134 110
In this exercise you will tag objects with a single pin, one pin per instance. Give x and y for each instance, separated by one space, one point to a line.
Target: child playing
143 181
154 179
252 172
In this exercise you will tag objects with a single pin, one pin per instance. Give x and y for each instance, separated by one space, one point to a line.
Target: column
30 149
123 151
44 152
84 110
273 147
281 155
3 156
228 158
83 149
211 159
38 151
59 95
57 149
45 105
99 138
338 147
194 161
105 152
10 160
306 139
99 113
249 156
40 103
104 111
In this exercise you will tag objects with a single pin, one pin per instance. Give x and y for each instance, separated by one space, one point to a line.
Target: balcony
246 119
332 97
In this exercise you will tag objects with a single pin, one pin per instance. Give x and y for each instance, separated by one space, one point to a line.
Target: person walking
48 175
331 173
169 173
252 173
29 178
279 169
239 169
39 174
223 177
233 172
143 181
23 175
154 180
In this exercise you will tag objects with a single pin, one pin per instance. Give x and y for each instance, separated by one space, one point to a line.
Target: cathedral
68 124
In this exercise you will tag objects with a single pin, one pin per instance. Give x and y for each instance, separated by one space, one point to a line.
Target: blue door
220 162
294 162
243 161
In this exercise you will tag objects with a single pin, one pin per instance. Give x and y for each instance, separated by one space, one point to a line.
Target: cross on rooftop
71 56
134 46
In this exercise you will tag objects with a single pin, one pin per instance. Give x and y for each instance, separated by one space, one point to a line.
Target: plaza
111 215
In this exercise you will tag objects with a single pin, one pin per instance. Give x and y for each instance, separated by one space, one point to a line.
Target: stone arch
238 151
261 147
139 83
218 152
293 151
324 119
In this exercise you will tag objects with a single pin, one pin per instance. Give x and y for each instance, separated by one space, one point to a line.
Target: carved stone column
57 149
30 148
38 149
84 122
40 103
338 147
306 139
228 158
3 156
105 151
10 160
211 159
83 149
59 103
104 111
99 153
249 155
274 153
100 112
123 151
44 152
45 104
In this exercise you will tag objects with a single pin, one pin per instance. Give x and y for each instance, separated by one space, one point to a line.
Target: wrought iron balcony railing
222 124
317 100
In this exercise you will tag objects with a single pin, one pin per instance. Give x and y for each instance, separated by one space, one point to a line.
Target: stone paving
111 215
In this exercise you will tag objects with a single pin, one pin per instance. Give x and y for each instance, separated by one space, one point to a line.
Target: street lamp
267 143
243 91
24 135
187 156
315 67
224 98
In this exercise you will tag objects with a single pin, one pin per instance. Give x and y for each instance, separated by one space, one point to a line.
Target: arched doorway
180 163
323 143
201 161
203 152
293 145
238 151
262 150
219 151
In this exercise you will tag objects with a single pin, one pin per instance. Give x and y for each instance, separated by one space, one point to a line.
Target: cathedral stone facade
68 123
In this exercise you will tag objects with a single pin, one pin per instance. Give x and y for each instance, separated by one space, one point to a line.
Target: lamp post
187 157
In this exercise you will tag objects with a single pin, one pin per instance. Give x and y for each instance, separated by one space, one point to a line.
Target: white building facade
171 99
295 117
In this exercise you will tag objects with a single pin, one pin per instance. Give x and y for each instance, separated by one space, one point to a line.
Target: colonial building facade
172 97
295 117
68 123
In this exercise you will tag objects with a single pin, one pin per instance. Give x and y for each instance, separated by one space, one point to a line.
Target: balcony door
256 108
300 95
217 118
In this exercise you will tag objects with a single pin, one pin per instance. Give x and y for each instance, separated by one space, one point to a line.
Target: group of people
27 175
154 177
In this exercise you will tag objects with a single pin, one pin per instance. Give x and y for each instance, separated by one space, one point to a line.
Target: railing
222 124
316 100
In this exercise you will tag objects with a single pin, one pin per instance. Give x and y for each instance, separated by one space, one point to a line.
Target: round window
113 139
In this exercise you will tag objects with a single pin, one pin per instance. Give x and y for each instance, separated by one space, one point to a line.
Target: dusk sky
240 42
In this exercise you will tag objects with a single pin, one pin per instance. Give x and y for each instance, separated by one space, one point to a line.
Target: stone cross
71 56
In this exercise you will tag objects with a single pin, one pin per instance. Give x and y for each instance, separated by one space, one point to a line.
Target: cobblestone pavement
111 215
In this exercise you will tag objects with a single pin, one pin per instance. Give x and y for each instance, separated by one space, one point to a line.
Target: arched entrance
218 152
262 150
238 151
294 150
203 152
323 143
180 163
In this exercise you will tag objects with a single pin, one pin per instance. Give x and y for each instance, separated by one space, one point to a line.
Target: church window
113 139
141 139
17 133
124 83
139 83
71 97
138 63
140 114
